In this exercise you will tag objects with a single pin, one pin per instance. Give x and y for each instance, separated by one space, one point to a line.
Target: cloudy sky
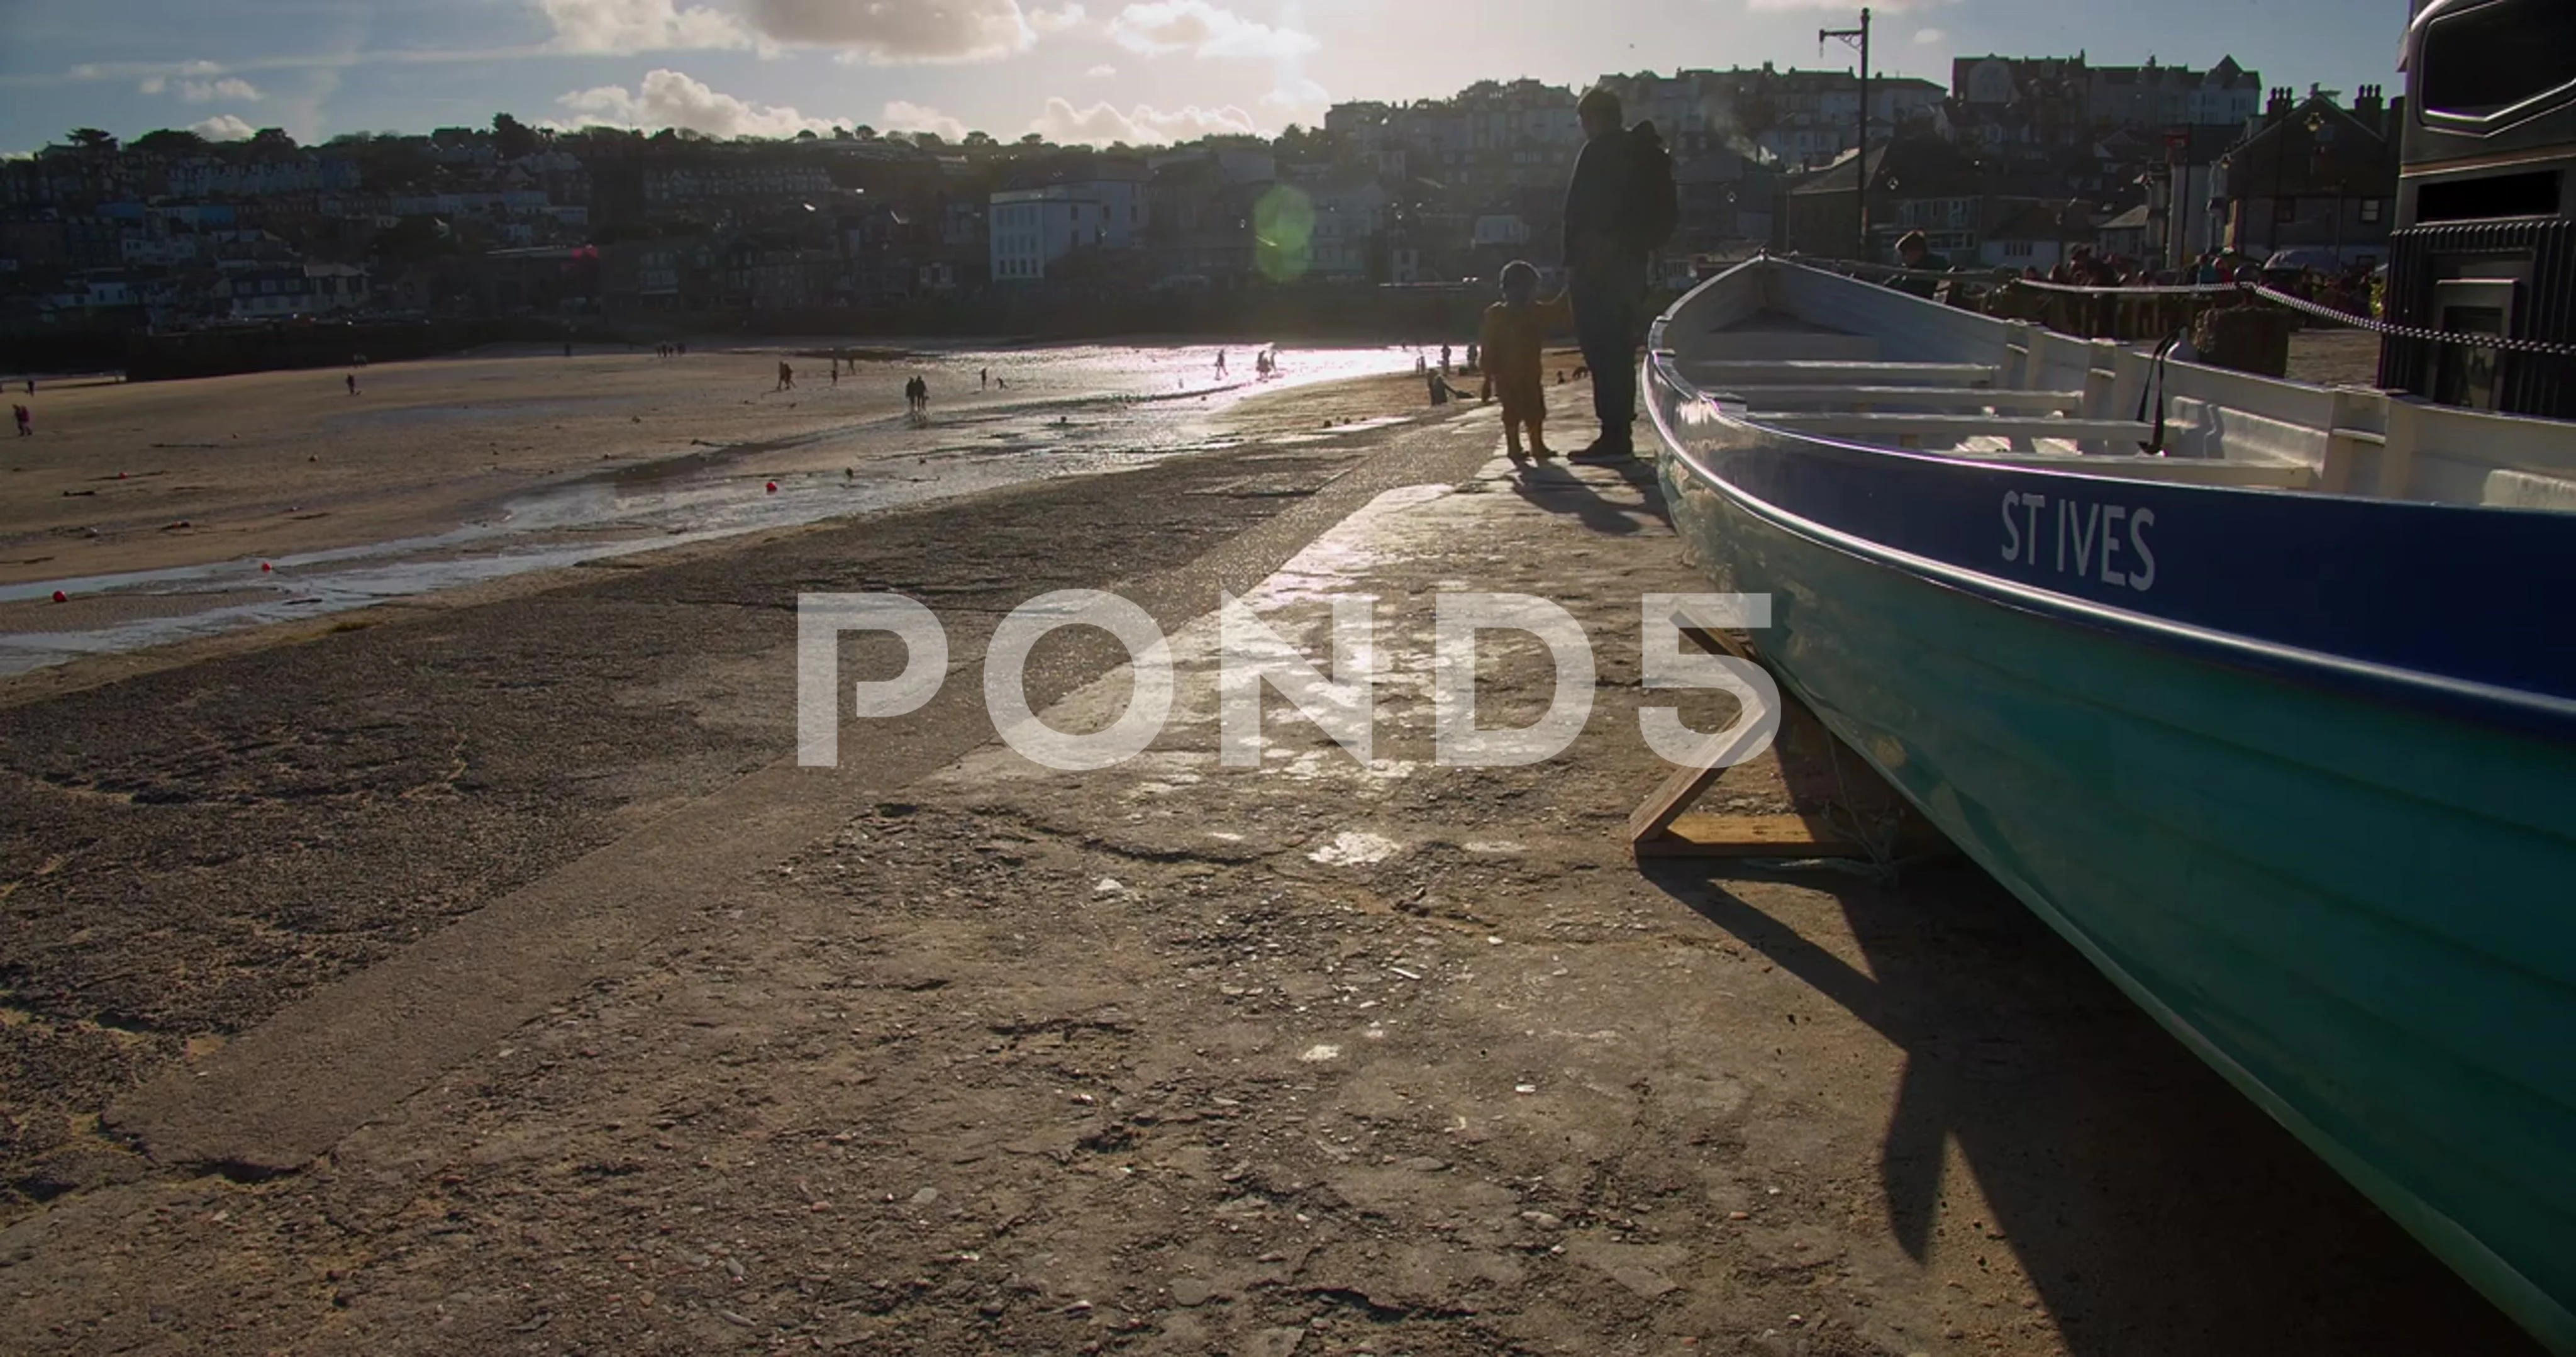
1092 70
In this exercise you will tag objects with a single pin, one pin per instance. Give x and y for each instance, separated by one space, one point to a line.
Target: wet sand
279 463
155 506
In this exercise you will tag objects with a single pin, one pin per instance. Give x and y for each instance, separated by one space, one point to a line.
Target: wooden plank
1751 836
1666 803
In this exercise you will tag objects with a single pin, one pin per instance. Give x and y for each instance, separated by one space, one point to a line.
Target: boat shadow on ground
2154 1208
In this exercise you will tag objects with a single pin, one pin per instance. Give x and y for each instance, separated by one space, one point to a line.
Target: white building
1032 228
293 290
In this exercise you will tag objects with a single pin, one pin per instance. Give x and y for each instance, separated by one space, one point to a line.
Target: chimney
2367 107
2278 107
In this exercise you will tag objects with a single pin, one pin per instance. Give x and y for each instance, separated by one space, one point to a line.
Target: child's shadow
1555 486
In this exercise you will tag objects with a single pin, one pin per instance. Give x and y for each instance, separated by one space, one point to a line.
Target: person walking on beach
983 379
786 377
1444 359
26 421
1620 207
1220 364
352 379
1509 344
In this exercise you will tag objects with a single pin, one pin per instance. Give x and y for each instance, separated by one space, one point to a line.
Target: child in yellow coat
1513 331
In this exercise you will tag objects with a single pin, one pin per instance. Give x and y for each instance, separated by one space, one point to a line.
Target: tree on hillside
512 137
92 139
169 141
271 139
981 139
864 132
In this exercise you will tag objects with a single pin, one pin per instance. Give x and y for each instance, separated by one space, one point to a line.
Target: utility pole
1858 37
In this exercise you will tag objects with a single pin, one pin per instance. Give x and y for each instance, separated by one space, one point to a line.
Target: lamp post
2316 123
1859 38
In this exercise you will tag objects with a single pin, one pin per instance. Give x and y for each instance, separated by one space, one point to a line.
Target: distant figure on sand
1220 362
1510 343
983 378
26 421
353 383
786 378
1444 358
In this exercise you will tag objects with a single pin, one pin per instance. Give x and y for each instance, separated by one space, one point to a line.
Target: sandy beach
479 972
153 507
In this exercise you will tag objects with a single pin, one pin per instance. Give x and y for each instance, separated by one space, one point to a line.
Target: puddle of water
1087 410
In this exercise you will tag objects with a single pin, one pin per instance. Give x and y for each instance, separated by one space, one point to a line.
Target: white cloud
1882 6
624 26
888 31
1102 72
904 116
1161 27
670 99
223 127
208 91
1142 125
1297 93
1058 20
1926 37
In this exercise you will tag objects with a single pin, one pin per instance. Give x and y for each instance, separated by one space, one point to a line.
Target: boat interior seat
1823 346
1884 426
2178 470
1925 399
1715 374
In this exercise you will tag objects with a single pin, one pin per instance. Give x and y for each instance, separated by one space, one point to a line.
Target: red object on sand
120 475
773 487
61 597
264 567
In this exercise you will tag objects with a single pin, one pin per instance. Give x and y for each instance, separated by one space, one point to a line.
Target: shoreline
1260 418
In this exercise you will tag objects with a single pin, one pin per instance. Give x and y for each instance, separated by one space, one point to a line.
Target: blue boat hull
2343 882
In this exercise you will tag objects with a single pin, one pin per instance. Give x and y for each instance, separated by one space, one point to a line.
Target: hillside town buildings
2015 163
